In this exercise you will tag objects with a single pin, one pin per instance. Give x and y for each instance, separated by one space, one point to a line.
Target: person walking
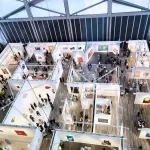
32 106
40 105
138 114
38 114
30 110
52 107
45 125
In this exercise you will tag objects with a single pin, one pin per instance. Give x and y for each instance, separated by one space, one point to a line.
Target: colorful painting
70 138
146 100
20 132
147 135
79 59
47 87
90 54
102 47
4 70
13 120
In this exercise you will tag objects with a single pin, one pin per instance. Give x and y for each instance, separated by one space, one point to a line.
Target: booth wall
84 29
17 133
83 138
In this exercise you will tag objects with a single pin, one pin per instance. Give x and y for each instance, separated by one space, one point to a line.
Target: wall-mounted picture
102 47
90 54
70 138
79 59
137 74
146 100
147 135
20 132
145 74
4 70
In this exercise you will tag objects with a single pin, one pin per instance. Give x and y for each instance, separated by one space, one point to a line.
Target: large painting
90 54
146 100
4 70
70 138
20 132
102 47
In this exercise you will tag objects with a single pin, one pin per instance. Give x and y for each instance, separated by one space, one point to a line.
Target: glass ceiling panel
7 6
36 12
116 8
76 5
21 14
54 5
143 3
98 9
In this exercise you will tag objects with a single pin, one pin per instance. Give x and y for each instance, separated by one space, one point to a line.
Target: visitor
52 107
34 104
38 114
140 147
138 114
30 110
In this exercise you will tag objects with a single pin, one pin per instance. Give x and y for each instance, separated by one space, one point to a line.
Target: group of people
5 100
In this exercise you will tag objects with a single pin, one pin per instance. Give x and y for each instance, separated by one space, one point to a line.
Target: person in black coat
45 125
52 107
41 128
34 104
32 107
37 112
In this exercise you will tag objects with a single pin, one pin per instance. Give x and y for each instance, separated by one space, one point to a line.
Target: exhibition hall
74 75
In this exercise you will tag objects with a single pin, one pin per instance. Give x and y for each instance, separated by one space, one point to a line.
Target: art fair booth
20 137
106 102
39 49
85 141
75 49
10 56
32 93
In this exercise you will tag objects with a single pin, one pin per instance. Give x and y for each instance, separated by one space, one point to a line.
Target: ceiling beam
122 2
27 9
87 7
33 2
44 9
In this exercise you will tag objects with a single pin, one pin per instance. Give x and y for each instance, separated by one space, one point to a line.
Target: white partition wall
83 138
142 98
38 49
29 93
145 133
20 137
66 113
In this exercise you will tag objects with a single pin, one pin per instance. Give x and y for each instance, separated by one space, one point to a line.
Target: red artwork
47 87
90 54
20 132
79 59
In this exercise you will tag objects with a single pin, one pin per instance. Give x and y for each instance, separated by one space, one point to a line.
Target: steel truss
67 16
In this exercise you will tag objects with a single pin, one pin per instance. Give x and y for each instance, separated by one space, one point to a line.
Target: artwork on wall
20 132
79 59
13 120
4 70
90 54
102 47
146 100
50 48
145 74
47 87
147 135
70 138
137 74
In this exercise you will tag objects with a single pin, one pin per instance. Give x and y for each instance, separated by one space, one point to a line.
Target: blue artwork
70 138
